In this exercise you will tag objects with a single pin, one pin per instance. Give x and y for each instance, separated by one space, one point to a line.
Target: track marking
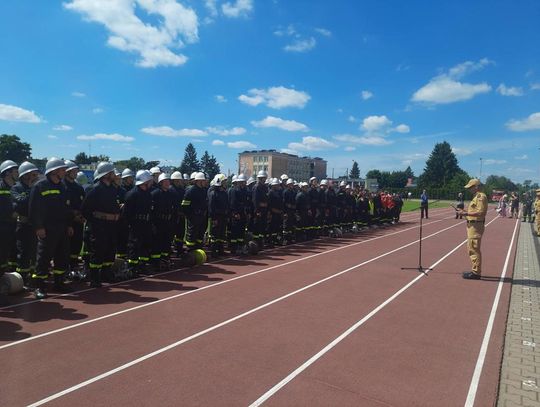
240 259
114 314
471 395
349 331
226 322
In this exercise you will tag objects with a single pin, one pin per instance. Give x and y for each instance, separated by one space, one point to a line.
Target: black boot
40 292
95 278
59 284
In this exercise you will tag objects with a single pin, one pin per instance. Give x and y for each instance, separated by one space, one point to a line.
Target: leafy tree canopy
12 148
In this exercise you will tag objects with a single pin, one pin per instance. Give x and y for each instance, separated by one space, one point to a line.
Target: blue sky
379 82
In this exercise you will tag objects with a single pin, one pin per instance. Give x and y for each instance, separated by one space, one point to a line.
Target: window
265 158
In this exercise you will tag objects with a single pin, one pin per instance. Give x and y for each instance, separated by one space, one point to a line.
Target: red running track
324 323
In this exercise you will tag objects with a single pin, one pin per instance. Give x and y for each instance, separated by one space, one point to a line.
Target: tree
499 182
398 179
355 171
374 174
150 164
441 166
12 148
409 172
83 159
190 163
209 165
134 163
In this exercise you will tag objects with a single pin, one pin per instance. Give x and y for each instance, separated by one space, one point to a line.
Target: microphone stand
419 268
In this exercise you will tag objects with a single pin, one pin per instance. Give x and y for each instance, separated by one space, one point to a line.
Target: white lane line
471 395
221 324
346 333
114 314
239 259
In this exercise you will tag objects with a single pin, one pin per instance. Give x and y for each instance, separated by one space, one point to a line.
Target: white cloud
446 87
110 137
12 113
402 128
78 94
522 157
461 151
350 148
241 145
535 86
287 125
352 119
62 127
530 123
289 151
241 8
375 124
324 31
178 25
167 131
277 97
282 32
218 143
407 162
366 94
492 161
366 140
211 6
311 143
301 45
97 110
52 137
509 91
220 99
235 131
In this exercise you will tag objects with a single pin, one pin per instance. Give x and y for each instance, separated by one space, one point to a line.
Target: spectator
424 204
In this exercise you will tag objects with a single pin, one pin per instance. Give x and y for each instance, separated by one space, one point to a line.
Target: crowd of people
57 223
508 206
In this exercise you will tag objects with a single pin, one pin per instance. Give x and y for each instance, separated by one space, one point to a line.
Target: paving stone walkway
520 370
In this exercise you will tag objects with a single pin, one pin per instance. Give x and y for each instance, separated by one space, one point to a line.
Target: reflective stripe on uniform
95 265
58 272
51 192
155 256
42 277
5 192
131 261
186 203
107 263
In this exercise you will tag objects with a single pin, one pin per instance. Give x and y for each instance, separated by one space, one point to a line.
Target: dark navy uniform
275 209
49 209
122 225
180 218
289 205
7 229
137 210
239 207
75 195
164 210
101 210
260 211
25 234
195 207
218 212
302 214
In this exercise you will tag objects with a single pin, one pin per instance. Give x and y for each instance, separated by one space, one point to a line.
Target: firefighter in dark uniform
349 207
178 188
8 177
331 205
275 211
323 212
101 209
164 210
122 226
340 205
137 209
26 237
51 218
289 206
238 207
75 194
260 207
250 184
194 206
313 195
302 212
218 215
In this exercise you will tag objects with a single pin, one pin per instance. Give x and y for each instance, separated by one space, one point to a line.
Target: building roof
272 151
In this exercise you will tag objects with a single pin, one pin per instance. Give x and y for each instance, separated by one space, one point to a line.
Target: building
276 163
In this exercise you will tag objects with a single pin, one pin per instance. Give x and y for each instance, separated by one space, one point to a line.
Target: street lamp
480 177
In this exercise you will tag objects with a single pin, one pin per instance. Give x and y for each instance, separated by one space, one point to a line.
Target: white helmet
348 187
186 177
26 167
274 181
312 179
241 178
342 184
163 176
234 178
71 165
324 182
142 177
284 177
176 175
262 174
192 176
52 165
250 180
219 179
127 173
103 168
199 176
155 170
7 165
290 181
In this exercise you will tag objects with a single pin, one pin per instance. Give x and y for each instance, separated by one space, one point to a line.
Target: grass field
414 204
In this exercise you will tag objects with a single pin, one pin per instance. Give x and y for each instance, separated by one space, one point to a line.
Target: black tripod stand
420 268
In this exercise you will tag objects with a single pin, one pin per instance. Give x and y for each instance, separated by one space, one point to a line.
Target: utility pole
480 177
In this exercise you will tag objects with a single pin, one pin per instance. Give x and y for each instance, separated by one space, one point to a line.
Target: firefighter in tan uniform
476 219
537 211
